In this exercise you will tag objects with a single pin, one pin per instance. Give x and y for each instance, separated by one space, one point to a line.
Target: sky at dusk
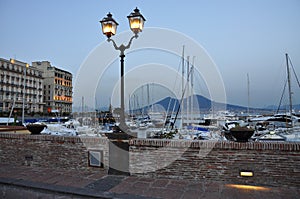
241 37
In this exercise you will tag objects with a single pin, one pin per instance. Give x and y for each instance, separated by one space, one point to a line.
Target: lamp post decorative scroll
109 28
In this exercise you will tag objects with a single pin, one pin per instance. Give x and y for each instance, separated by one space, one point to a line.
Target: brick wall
50 151
276 164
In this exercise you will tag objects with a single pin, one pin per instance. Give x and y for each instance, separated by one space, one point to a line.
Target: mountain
88 109
200 103
205 105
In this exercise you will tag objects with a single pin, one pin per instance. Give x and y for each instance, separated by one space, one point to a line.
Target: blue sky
241 36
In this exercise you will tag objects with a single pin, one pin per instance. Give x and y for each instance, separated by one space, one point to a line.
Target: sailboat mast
248 87
12 108
289 83
192 89
148 97
82 110
129 104
188 92
182 86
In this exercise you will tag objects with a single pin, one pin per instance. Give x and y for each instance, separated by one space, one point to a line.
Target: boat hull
241 134
35 129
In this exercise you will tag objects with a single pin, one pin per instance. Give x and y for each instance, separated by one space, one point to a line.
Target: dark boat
239 134
35 129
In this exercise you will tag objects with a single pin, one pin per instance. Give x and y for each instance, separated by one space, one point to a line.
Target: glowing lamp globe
136 21
109 25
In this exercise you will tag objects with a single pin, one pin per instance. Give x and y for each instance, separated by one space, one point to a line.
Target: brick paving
97 184
168 188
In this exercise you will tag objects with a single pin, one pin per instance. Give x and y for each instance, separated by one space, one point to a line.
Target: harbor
276 127
172 118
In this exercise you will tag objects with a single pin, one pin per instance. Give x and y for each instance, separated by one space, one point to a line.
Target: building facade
18 80
57 90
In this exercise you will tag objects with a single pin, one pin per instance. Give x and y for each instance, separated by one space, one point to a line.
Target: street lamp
12 61
109 28
24 90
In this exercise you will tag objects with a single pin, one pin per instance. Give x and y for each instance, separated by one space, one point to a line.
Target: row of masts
289 84
187 89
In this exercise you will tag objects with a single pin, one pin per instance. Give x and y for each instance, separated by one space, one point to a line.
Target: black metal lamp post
118 146
109 28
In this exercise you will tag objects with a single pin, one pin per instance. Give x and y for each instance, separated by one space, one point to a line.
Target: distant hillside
284 107
204 104
88 109
200 103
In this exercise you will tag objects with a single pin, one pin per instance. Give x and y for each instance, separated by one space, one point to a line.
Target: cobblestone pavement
33 182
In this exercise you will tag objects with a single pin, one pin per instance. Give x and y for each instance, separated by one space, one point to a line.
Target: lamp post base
119 151
119 157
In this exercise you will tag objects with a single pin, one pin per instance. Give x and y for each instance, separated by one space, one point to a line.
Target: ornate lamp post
118 146
109 28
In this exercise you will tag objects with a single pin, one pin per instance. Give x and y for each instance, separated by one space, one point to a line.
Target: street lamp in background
24 90
24 86
109 28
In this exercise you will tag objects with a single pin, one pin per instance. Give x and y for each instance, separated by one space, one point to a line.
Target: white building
14 75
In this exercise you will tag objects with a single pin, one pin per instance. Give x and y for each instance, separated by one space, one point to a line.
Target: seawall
272 163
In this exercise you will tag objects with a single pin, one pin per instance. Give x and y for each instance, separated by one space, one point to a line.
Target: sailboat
289 118
183 122
286 126
291 132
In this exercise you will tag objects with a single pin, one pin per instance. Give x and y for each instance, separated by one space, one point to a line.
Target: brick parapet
67 139
283 146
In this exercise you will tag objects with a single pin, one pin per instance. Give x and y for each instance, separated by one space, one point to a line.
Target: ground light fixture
246 173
